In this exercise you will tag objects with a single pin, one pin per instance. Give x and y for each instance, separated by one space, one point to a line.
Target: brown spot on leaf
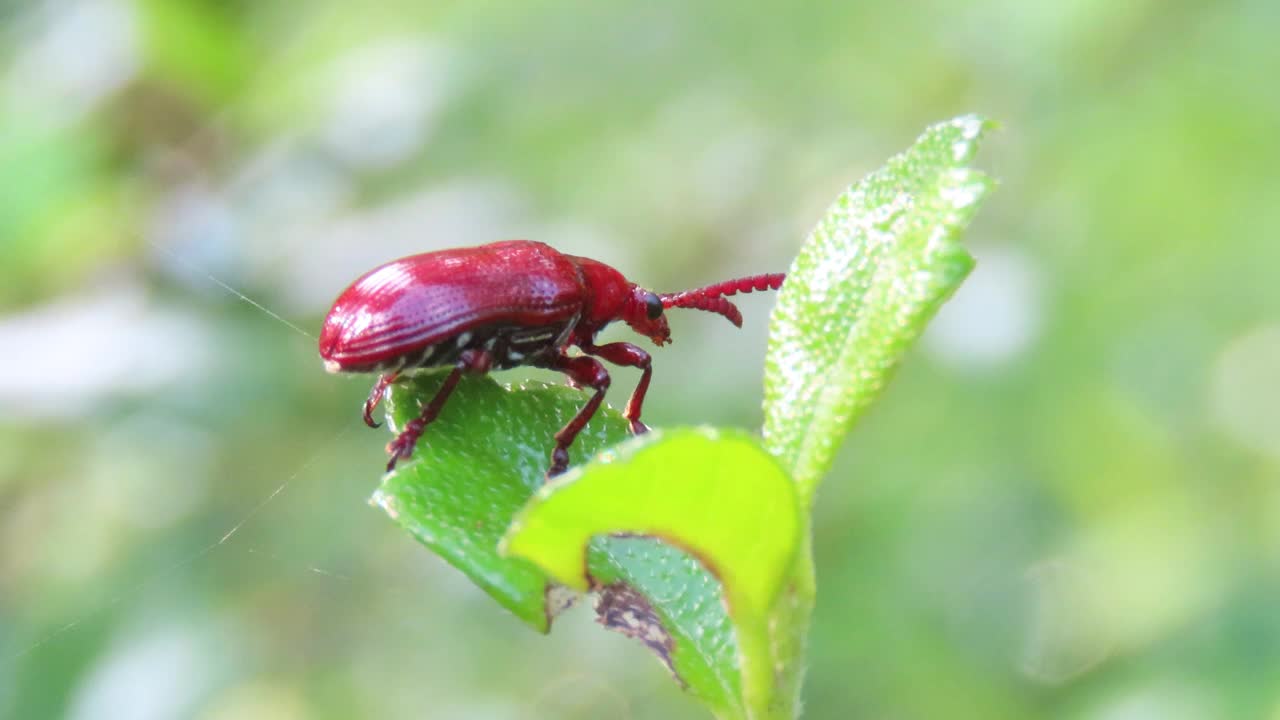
623 609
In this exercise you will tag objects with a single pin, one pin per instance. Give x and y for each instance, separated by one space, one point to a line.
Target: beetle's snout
656 330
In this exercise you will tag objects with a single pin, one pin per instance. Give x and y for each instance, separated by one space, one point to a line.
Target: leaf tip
387 502
967 131
972 126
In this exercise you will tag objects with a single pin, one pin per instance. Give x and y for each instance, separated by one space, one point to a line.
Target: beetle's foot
638 428
559 462
401 448
375 396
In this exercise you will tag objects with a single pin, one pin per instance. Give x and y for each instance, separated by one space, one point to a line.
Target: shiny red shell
418 302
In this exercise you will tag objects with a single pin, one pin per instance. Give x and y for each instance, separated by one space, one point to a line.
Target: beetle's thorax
605 294
608 296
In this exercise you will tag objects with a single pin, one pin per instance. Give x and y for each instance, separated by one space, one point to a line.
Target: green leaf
717 494
869 277
693 635
484 458
475 467
866 281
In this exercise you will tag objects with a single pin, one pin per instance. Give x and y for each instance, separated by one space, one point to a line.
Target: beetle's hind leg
476 362
586 372
375 397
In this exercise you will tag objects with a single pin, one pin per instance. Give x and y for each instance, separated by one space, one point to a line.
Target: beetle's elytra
498 306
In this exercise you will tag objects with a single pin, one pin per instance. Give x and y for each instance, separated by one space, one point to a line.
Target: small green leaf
475 467
866 281
717 494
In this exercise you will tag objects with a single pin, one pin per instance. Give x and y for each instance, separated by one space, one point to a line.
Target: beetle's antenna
712 297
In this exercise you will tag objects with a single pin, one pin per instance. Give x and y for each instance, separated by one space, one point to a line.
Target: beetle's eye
653 305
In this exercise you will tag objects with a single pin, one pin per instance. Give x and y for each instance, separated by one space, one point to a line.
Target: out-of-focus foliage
1091 531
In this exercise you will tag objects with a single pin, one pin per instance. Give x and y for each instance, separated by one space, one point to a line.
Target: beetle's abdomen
424 310
509 345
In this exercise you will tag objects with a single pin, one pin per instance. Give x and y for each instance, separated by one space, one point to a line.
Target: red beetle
502 305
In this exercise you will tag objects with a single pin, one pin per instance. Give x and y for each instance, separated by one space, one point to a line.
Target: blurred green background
1067 505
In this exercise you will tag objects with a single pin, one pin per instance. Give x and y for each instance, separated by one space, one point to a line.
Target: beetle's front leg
375 397
476 362
628 355
587 372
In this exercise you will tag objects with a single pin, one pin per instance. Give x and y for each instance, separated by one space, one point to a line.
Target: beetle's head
643 311
613 297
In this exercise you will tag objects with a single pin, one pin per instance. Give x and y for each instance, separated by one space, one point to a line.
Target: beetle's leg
375 397
476 362
628 355
587 372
